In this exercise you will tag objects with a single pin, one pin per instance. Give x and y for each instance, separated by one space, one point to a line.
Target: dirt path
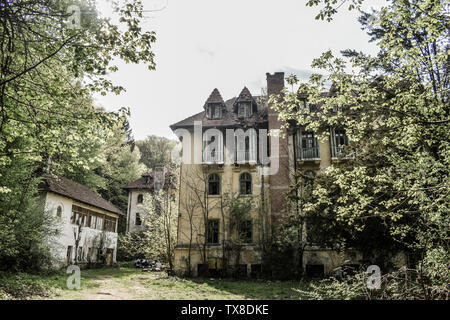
105 287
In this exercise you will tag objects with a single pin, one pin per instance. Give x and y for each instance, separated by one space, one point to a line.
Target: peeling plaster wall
66 237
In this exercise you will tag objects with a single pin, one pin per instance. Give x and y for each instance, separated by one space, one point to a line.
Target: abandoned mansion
224 149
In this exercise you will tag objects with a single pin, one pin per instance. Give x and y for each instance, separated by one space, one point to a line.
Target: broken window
245 183
212 232
244 109
110 224
246 231
138 220
214 111
213 184
140 199
59 212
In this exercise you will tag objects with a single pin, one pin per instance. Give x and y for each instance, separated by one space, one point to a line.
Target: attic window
214 111
244 109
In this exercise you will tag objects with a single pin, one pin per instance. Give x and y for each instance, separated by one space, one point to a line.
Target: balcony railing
336 150
308 153
212 157
245 157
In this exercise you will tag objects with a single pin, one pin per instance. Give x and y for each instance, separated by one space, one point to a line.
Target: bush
22 286
135 245
403 284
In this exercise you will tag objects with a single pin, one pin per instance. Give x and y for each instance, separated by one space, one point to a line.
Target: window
213 184
140 198
214 111
338 141
110 224
245 183
93 222
80 254
212 146
59 212
244 109
245 144
212 232
307 146
246 231
99 224
69 254
79 216
138 220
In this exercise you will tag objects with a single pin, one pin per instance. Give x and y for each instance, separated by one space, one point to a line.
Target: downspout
129 209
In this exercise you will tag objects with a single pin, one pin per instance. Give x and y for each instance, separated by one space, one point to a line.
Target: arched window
138 220
213 184
245 183
59 211
140 199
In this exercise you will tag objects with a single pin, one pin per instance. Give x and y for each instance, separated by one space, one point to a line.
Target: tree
394 107
49 68
155 151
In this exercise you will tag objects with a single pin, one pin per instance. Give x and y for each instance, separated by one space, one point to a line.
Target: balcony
246 156
311 153
336 150
211 157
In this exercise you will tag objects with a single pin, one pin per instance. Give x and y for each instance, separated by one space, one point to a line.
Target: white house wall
68 230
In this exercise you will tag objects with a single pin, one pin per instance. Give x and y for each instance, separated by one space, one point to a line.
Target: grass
131 283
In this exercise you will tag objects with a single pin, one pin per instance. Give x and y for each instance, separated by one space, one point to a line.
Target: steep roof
146 181
214 97
71 189
245 95
229 119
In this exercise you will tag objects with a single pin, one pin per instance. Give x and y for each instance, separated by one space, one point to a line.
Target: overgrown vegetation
390 191
50 66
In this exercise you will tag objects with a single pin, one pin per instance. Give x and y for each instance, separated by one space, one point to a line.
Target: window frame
246 224
246 108
245 177
218 181
216 230
137 217
308 138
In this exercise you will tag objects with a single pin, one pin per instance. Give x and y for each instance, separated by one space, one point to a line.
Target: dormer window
244 109
214 111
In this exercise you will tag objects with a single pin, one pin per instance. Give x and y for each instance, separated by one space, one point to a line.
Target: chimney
279 182
275 82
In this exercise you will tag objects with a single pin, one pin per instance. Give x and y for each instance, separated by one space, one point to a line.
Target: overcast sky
224 44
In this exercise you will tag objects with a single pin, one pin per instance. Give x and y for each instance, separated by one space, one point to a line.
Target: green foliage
331 7
22 286
158 238
155 151
393 180
131 246
47 117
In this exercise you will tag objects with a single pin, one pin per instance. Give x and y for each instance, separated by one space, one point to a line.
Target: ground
132 283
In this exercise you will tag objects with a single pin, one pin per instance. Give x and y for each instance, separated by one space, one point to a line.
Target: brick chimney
275 82
279 182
